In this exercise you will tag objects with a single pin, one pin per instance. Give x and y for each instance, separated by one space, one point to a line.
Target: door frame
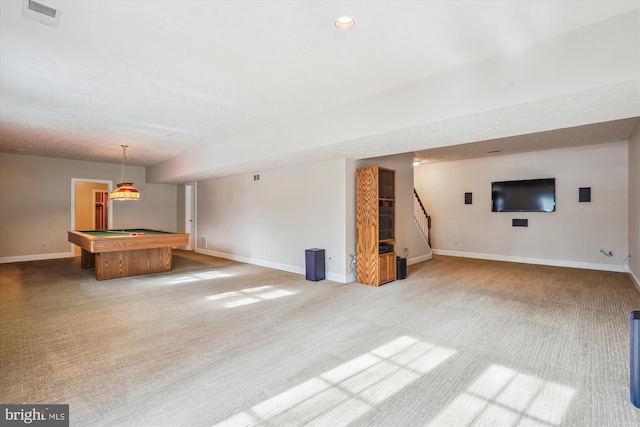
190 213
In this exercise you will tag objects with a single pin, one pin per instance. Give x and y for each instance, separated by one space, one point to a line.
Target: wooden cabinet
375 226
387 268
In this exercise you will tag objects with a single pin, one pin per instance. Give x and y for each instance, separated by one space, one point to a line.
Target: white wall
35 204
571 236
272 221
350 216
409 242
634 205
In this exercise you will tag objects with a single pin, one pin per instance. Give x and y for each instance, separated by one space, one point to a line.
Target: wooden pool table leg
87 259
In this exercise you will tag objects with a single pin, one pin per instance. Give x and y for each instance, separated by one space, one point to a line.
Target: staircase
422 218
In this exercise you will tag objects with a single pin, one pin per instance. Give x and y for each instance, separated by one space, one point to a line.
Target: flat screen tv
529 195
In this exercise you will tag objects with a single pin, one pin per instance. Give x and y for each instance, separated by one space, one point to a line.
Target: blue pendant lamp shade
125 190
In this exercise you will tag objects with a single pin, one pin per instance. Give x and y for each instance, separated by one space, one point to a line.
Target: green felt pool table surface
122 232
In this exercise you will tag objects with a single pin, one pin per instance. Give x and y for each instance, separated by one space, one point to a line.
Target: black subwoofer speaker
401 268
634 344
314 264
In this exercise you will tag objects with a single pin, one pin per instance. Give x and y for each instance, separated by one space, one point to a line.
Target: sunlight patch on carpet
189 277
249 296
505 397
348 391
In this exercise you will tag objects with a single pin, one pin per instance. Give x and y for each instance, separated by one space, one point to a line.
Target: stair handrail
426 216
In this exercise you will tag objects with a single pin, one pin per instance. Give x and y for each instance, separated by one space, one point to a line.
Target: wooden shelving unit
375 226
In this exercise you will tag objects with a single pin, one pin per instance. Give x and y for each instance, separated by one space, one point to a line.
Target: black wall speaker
584 194
468 198
519 222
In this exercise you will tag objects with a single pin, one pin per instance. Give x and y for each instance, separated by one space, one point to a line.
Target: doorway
100 209
90 207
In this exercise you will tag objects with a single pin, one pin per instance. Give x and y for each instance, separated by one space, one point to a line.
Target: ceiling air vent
41 13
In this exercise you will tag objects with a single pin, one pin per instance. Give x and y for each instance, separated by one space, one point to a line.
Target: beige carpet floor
460 342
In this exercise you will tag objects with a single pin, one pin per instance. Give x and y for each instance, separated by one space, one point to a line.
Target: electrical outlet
608 253
455 243
44 244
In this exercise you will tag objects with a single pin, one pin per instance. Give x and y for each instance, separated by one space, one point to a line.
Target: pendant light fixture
125 190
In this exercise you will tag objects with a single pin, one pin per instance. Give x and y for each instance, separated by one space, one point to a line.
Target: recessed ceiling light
345 23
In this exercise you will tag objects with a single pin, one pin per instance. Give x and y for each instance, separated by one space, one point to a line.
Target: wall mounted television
529 195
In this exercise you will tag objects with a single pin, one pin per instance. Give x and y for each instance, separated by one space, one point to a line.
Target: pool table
128 252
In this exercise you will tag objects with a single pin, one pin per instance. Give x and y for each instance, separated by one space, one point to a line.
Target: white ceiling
169 78
598 133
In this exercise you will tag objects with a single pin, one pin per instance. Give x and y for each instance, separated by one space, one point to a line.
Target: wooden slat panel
111 265
78 239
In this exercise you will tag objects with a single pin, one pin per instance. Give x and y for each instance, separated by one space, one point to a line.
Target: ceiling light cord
124 162
125 190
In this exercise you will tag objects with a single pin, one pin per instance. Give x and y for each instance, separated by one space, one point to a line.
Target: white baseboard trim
539 261
340 278
635 280
38 257
418 259
269 264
